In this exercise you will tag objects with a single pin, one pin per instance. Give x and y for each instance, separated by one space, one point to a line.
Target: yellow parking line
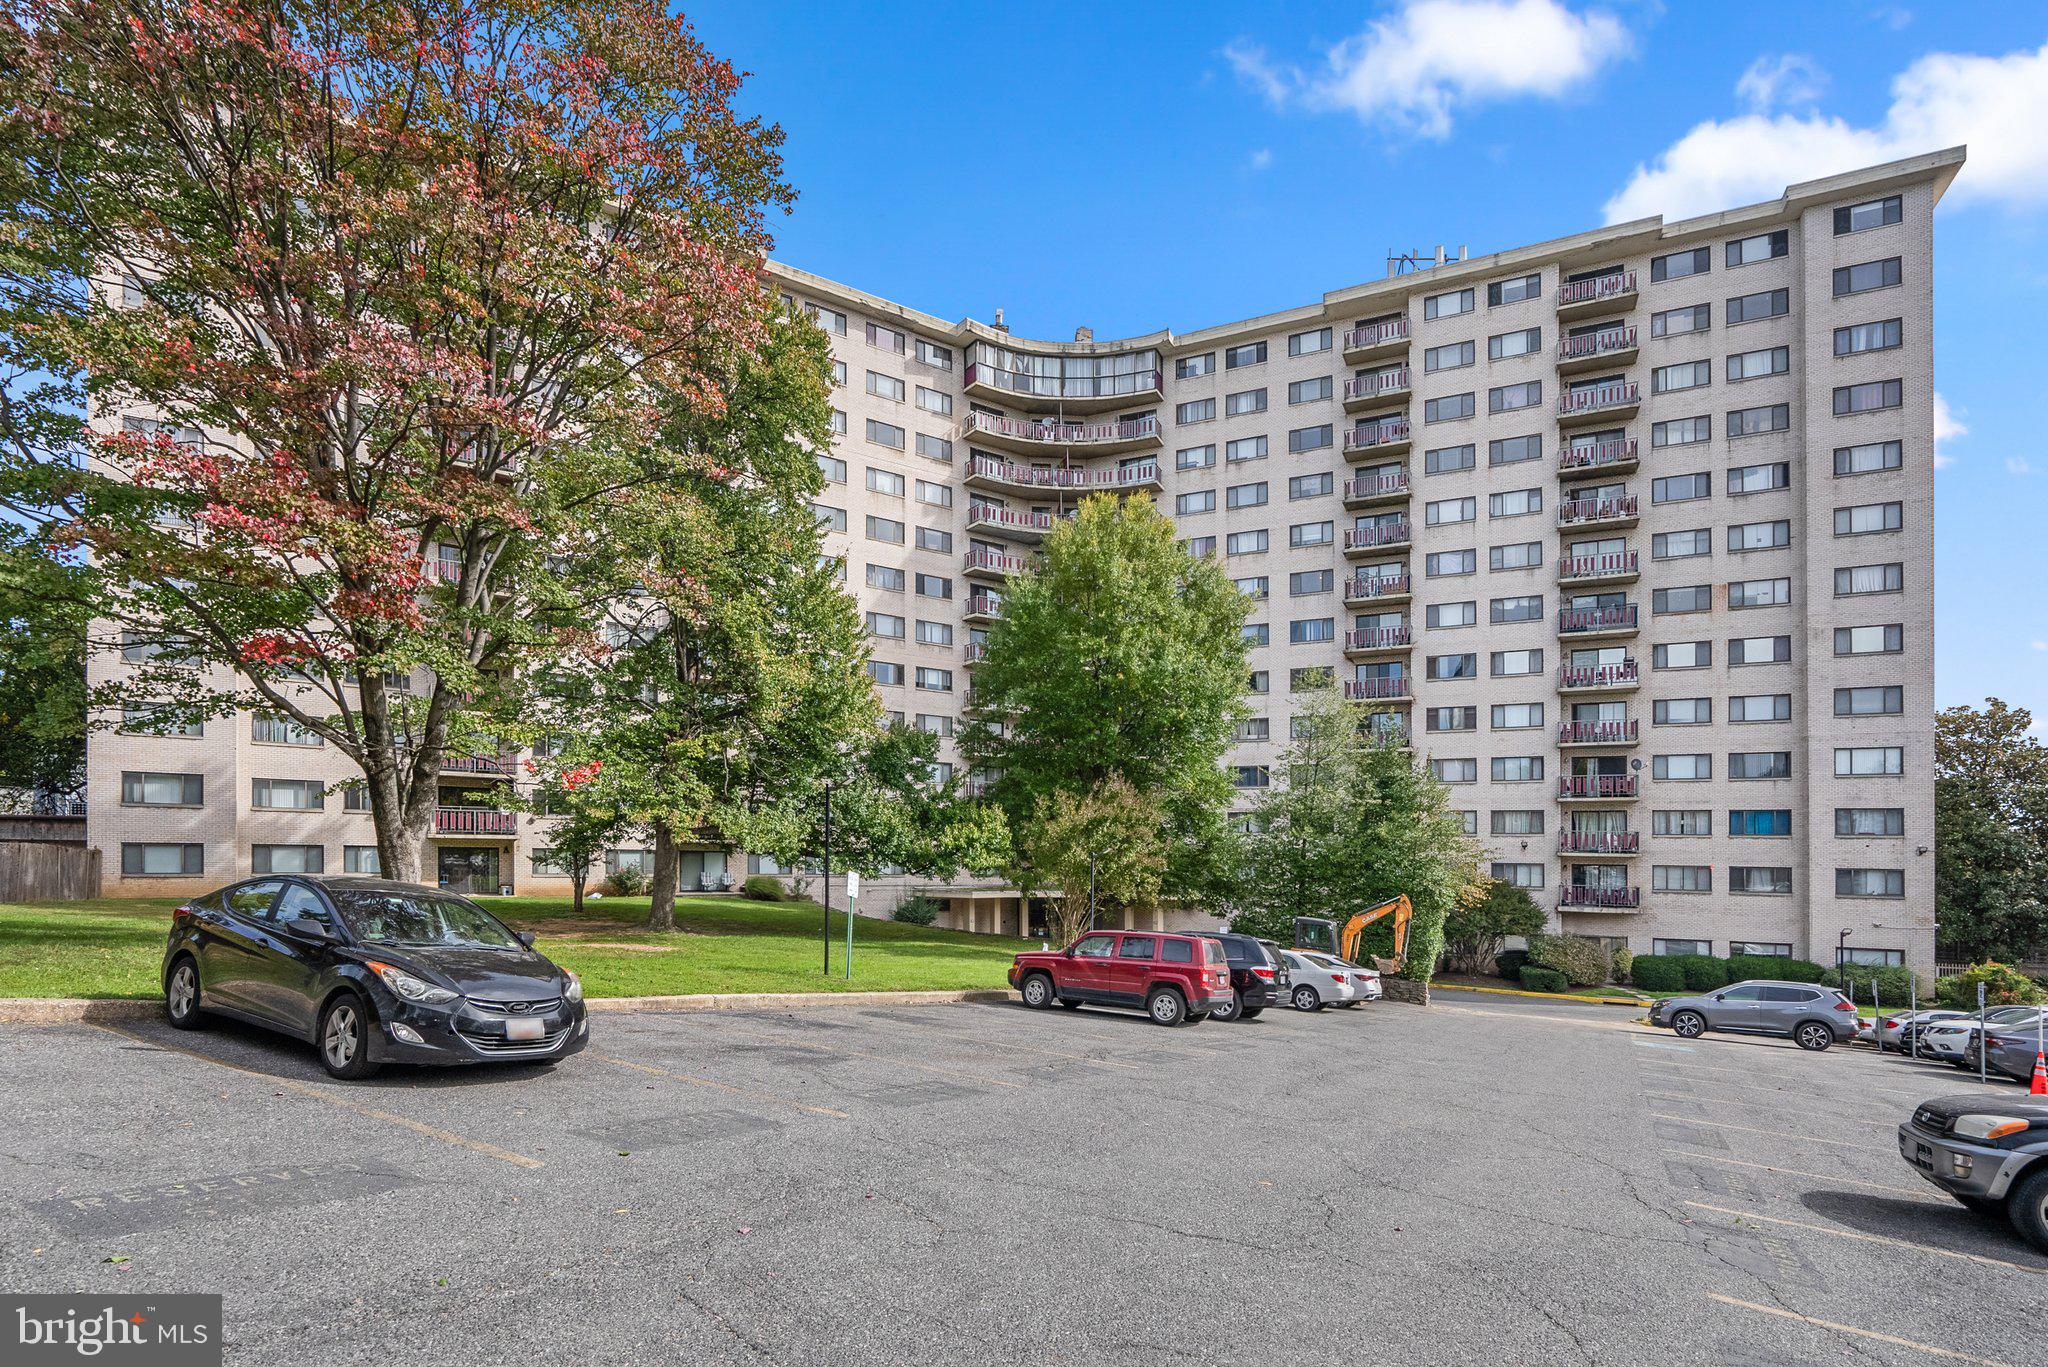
1692 1157
517 1160
1892 1339
1750 1129
1861 1237
874 1058
694 1081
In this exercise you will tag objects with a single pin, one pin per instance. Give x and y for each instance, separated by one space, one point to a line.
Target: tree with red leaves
316 318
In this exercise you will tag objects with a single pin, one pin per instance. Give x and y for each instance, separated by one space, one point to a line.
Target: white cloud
1418 65
1261 159
1787 79
2039 645
2017 465
1997 105
1893 17
1947 428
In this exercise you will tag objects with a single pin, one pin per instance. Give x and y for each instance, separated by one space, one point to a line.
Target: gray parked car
1989 1152
2008 1049
1811 1016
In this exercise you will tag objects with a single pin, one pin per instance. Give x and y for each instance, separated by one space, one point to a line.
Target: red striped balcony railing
1123 477
1596 343
1622 618
1377 486
1393 381
1596 785
1367 436
1376 689
995 561
1596 676
982 603
1064 433
474 821
1594 454
1383 534
977 651
1580 512
1599 842
1596 733
1594 398
1610 899
1376 585
1613 285
1011 519
1597 566
496 765
1377 638
1376 334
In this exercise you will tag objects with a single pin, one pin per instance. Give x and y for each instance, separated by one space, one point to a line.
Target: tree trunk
579 875
661 914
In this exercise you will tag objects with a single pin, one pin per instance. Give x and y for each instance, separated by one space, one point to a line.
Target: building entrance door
469 871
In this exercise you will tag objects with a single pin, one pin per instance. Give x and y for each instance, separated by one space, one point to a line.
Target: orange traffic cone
2040 1086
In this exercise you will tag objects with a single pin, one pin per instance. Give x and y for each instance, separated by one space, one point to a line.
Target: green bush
917 910
1583 962
1894 983
1743 967
764 887
628 880
1508 963
1624 963
2003 986
1703 972
1658 973
1539 979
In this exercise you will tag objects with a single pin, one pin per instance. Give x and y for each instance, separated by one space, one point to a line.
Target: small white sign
852 886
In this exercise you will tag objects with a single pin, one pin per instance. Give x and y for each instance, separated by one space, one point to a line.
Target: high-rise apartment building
1630 534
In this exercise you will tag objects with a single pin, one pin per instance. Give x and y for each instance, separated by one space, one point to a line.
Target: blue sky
1134 166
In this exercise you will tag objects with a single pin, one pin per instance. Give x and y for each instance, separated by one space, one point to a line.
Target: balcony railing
1123 477
1599 343
496 765
1610 899
1613 285
1378 638
1376 585
1394 381
1597 454
1011 519
1371 690
1598 398
1599 842
1596 733
977 651
1383 534
1620 618
474 821
1596 785
1376 334
1580 512
1376 486
982 603
1598 566
1597 676
995 562
1063 433
1076 387
1368 436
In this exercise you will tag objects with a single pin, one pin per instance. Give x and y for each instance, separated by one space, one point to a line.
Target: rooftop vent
1084 334
1000 325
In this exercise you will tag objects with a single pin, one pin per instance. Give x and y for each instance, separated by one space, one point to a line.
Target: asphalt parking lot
1480 1180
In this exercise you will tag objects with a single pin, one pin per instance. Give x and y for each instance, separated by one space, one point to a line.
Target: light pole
828 878
1842 958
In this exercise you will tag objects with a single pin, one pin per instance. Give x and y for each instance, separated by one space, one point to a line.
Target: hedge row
1705 972
1538 979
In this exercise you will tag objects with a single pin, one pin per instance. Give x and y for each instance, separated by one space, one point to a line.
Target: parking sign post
1980 1032
1912 1017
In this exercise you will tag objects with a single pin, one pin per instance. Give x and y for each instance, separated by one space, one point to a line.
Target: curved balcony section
986 472
1372 540
1051 382
1608 402
1612 290
1613 621
490 766
1596 787
1362 590
1376 690
993 565
1619 567
1596 732
984 605
1589 460
1599 899
1376 341
1370 490
1609 347
1378 389
1599 514
1364 641
1370 440
1030 436
1619 678
475 821
1021 524
1598 844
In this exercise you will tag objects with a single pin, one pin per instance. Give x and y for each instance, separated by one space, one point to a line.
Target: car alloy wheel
181 998
1813 1036
1037 991
1165 1007
1231 1009
1305 999
1688 1025
342 1037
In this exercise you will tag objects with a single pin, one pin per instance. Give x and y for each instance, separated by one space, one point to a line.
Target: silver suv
1811 1016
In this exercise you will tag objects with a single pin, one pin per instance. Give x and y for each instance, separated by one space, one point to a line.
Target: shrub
917 910
764 887
1476 932
1583 962
1539 979
627 880
1894 983
1624 964
1703 972
1508 963
1658 973
1742 967
2003 986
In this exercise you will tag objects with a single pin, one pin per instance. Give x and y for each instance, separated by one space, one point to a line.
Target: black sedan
371 972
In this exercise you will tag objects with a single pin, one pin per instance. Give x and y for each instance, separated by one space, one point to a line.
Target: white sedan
1320 981
1892 1028
1946 1040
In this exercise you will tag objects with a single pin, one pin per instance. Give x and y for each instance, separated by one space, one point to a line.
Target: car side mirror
307 928
1720 996
525 938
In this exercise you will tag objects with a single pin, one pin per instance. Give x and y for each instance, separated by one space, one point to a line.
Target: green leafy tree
579 840
1117 658
1990 833
1477 930
42 673
1410 841
1101 849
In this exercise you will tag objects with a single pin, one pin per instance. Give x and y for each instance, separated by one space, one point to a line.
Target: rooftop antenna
1401 262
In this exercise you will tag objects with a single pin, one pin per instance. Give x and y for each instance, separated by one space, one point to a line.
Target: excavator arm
1314 933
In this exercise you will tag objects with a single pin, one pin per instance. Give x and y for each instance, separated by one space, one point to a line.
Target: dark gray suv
1811 1016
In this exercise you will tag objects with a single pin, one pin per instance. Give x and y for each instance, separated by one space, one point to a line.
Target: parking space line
1689 1156
1892 1339
1731 1101
791 1043
1753 1072
1861 1237
460 1141
1750 1129
727 1087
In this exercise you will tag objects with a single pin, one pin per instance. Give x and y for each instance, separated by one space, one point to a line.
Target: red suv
1173 978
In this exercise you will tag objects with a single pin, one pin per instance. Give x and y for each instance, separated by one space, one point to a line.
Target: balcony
1596 787
1613 457
1380 387
1618 567
1614 291
1609 402
1375 588
1597 843
475 821
1596 514
994 565
1368 490
983 606
493 766
1371 540
976 652
1365 440
1065 393
1619 678
1596 732
1021 523
1376 690
1609 347
1032 436
1376 341
1613 621
1599 899
1364 641
985 472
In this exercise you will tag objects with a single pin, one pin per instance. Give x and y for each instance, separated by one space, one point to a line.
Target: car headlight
1988 1126
410 988
574 991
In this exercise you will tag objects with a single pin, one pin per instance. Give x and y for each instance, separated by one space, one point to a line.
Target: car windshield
421 918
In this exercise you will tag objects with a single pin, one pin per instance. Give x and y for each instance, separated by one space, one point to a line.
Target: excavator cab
1316 934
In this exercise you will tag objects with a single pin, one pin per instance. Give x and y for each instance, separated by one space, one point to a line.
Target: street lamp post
1842 958
828 878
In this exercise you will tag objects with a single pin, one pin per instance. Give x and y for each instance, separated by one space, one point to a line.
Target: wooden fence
48 871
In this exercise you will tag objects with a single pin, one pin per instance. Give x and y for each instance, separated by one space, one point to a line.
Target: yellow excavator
1324 936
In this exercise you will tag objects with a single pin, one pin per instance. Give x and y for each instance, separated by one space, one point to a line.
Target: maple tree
311 313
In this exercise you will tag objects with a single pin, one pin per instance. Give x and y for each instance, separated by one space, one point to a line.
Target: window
1681 431
1312 534
1526 607
1508 664
1455 770
887 338
1754 764
1867 398
1311 438
1669 379
1310 391
1449 408
1866 518
1517 769
1251 353
1468 820
935 448
1872 213
1682 322
1448 510
1870 821
356 797
1870 883
1304 631
1451 719
1520 555
1244 449
1680 488
1681 822
287 859
158 719
1303 583
1194 458
1858 338
933 401
1310 486
288 794
1682 712
1878 640
934 633
833 468
1199 546
934 680
1693 598
1451 615
885 434
1308 343
885 529
1682 768
1759 650
1873 701
1747 251
885 386
1682 655
1446 667
1748 308
1244 402
1759 593
934 495
162 861
1517 716
934 355
1245 495
363 859
1759 479
1448 305
885 672
886 482
1868 459
1759 536
1507 398
933 539
1438 564
1508 345
838 422
162 790
887 625
1868 761
1246 543
1681 878
1518 823
1852 580
1303 680
1445 459
1764 881
1450 356
268 729
1195 367
1514 291
1512 450
1751 422
1256 634
1678 265
1195 410
1754 707
1755 365
1254 729
1520 875
1869 275
1681 545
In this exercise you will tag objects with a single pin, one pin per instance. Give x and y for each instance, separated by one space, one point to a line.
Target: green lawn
114 948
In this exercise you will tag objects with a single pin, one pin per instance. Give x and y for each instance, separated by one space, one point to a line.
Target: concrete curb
72 1010
1538 996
